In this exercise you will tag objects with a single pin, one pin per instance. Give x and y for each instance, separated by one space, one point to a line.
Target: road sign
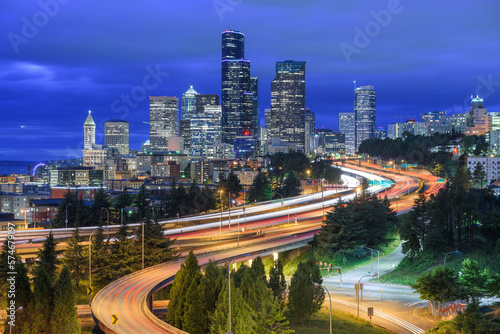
404 165
324 217
412 165
89 290
376 182
385 183
114 319
370 311
370 183
440 180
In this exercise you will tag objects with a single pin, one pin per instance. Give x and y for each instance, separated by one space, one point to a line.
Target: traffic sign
385 183
440 180
370 311
412 165
89 290
404 165
324 217
376 182
114 319
370 183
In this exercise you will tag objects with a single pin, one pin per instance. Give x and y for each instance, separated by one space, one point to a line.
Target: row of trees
199 302
471 283
366 220
50 307
457 216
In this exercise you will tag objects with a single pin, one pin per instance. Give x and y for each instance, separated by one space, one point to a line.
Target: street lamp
19 308
447 255
229 213
229 288
107 225
281 198
221 208
378 262
329 297
90 264
323 196
359 287
67 214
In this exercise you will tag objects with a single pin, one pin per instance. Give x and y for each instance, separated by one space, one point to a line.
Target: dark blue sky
85 55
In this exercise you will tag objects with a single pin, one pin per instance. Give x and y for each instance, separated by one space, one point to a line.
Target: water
9 167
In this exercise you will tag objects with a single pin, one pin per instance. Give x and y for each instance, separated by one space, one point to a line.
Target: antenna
354 82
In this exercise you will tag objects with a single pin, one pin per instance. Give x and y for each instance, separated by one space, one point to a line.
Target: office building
89 132
116 136
205 130
491 165
237 98
203 100
456 122
288 102
188 107
476 103
495 120
310 132
163 121
364 113
347 126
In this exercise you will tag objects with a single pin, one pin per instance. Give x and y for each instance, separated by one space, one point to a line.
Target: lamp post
447 255
229 289
371 252
143 243
281 198
19 308
67 214
323 196
359 290
221 208
107 221
378 262
229 213
90 264
330 298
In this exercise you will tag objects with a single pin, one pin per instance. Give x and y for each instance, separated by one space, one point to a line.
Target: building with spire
89 132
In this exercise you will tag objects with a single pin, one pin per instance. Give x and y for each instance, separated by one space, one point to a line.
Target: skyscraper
237 98
89 132
476 103
188 103
288 102
205 130
310 131
116 135
364 113
347 126
163 121
203 100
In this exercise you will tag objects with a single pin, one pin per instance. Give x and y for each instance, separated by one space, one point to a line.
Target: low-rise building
491 166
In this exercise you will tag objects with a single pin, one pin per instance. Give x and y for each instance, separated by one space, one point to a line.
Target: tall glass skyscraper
237 97
347 126
188 103
163 121
116 135
205 130
364 113
288 90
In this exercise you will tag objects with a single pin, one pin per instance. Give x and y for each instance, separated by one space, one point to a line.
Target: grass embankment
353 260
342 323
409 270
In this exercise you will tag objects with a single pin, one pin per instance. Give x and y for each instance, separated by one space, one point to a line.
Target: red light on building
246 133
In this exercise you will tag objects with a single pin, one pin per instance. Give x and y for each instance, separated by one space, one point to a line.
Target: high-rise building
288 102
203 100
89 132
237 98
205 130
188 103
347 126
116 136
163 121
254 89
364 113
476 103
310 131
185 133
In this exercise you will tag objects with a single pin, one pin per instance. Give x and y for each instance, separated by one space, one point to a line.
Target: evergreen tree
125 255
69 204
194 320
101 200
479 174
43 297
64 315
440 285
242 319
142 203
258 270
304 297
210 287
277 282
474 281
414 227
157 248
73 257
291 186
48 257
260 190
101 271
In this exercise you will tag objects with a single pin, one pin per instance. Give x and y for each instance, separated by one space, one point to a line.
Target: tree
474 281
242 320
440 285
260 190
258 270
64 315
73 257
101 200
479 174
231 185
210 287
157 248
291 186
142 203
48 257
43 301
304 297
414 227
194 320
101 271
277 282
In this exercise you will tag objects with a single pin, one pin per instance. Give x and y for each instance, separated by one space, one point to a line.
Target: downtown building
163 121
116 136
288 103
347 126
239 90
364 113
188 109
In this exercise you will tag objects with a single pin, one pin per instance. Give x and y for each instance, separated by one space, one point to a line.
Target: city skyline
76 59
